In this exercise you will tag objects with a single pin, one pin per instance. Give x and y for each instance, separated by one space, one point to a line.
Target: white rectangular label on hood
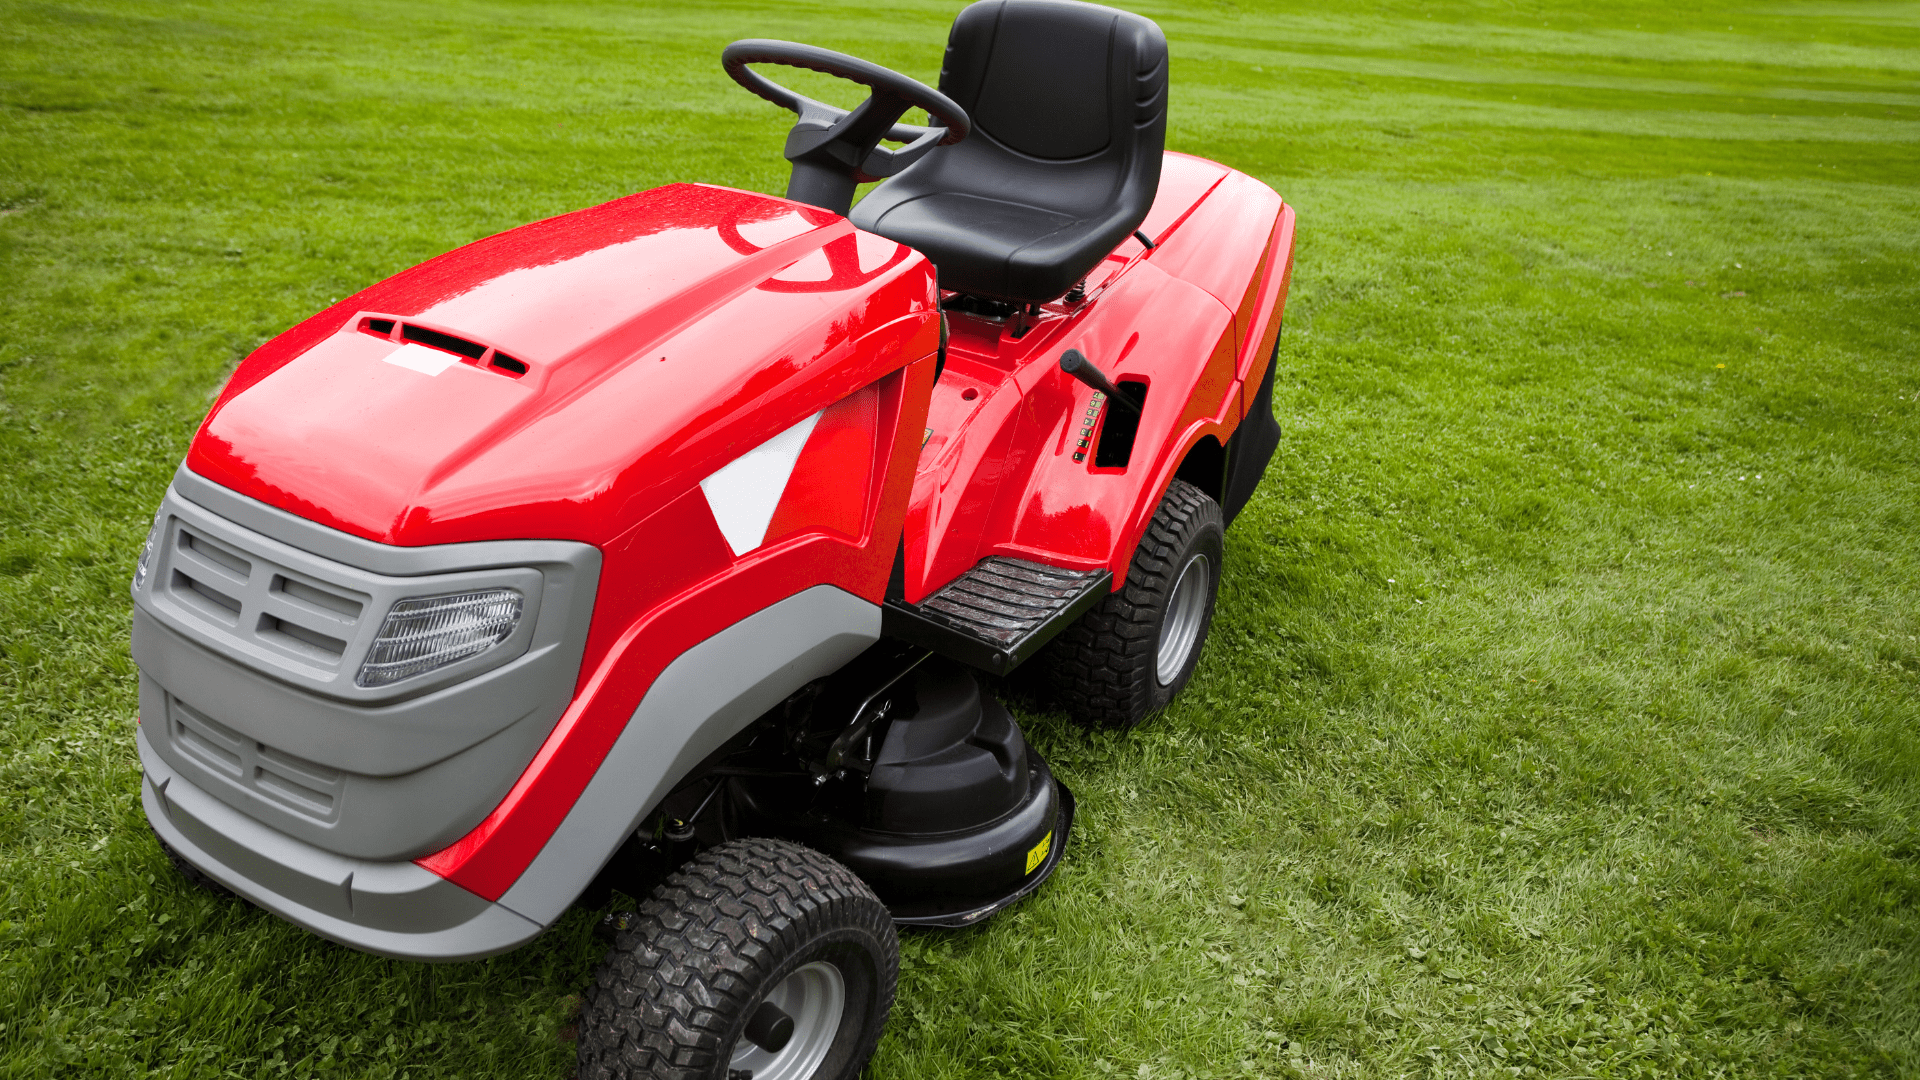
416 357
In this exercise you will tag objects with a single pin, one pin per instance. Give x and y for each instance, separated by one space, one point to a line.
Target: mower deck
930 917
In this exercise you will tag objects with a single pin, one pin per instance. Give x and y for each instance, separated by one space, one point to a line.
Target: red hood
663 334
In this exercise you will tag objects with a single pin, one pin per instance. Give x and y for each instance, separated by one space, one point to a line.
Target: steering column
833 149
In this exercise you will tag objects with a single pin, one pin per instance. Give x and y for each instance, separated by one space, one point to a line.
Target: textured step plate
998 614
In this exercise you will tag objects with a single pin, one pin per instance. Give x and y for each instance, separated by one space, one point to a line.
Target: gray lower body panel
706 696
202 713
393 909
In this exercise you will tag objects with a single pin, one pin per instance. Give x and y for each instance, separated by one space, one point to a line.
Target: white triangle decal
743 495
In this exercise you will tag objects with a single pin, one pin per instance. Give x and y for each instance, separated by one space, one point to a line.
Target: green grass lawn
1562 712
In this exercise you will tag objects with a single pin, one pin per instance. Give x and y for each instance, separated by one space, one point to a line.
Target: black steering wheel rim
939 107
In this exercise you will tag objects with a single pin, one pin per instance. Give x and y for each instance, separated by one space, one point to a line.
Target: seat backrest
1058 80
1061 83
1069 109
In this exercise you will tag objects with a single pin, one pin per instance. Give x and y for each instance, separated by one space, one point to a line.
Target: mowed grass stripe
1559 717
1483 80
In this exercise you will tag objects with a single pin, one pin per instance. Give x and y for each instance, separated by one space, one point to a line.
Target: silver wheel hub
816 997
1180 630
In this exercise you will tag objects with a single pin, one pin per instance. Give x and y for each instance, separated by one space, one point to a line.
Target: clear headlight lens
146 553
423 633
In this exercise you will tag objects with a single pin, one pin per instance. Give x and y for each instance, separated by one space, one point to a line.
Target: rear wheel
1127 658
758 957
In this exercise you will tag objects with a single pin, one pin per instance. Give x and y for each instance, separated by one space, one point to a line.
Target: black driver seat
1069 107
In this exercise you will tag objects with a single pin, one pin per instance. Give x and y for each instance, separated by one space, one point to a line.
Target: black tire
196 877
1104 668
726 930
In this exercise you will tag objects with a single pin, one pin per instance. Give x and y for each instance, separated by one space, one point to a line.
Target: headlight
146 553
423 633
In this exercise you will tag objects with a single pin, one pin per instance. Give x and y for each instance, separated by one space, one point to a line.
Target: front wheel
1127 658
757 958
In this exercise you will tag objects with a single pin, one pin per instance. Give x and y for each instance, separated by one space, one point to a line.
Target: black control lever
874 709
1076 364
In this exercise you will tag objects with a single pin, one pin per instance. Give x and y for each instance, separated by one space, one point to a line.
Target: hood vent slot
486 356
472 350
315 598
206 599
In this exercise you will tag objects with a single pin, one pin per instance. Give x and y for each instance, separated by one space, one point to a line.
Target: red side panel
1223 246
998 475
1268 309
832 482
670 583
1057 510
971 424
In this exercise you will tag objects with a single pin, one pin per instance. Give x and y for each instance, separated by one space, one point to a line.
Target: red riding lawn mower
657 547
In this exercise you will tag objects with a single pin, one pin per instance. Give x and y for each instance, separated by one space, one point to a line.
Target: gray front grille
304 787
250 625
302 618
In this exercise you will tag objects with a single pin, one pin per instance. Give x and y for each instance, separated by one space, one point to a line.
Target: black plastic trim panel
1252 446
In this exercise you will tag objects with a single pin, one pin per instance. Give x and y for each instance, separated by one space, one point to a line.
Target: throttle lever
1075 363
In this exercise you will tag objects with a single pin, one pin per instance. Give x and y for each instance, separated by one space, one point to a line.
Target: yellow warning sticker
926 436
1039 853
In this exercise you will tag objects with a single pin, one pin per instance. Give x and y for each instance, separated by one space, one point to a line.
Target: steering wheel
834 149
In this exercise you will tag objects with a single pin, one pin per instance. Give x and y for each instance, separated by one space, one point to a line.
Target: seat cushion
987 246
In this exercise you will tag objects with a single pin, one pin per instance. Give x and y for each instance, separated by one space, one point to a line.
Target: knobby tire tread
701 948
1101 668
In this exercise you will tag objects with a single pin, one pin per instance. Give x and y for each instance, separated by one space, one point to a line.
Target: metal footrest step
998 614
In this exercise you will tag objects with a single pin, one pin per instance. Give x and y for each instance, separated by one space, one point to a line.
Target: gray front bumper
393 909
237 700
